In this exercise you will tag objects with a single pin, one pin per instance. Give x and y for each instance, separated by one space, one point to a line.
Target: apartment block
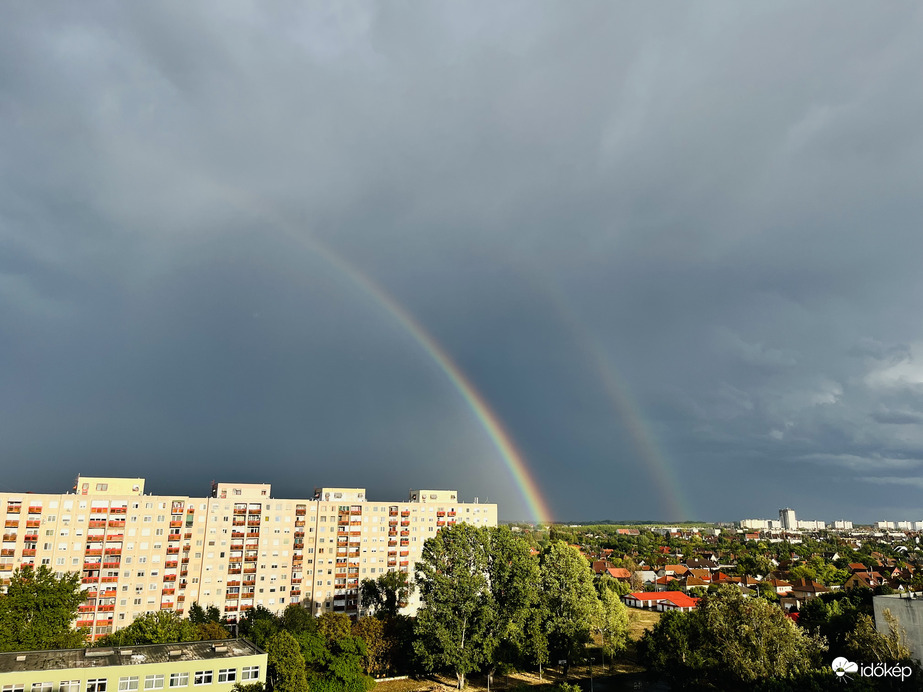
236 549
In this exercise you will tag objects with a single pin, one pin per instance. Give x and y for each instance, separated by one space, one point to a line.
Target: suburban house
661 601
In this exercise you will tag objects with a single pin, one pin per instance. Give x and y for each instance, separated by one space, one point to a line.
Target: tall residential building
235 550
787 517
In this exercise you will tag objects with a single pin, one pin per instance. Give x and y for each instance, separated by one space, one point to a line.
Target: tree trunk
461 680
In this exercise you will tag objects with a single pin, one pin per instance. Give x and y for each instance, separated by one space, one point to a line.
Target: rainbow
512 457
489 421
629 412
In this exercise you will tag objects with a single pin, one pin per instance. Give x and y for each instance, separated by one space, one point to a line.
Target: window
69 686
179 679
13 688
250 673
42 686
126 684
227 675
203 677
96 685
153 682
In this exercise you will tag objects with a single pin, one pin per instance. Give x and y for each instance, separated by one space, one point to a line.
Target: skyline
600 261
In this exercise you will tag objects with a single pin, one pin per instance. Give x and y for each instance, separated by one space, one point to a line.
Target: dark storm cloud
716 206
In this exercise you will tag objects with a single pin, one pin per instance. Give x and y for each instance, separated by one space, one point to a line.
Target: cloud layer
675 248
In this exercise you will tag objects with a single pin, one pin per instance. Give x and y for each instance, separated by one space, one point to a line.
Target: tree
865 642
613 624
572 607
38 609
202 616
385 596
372 631
454 595
259 625
731 642
162 627
286 671
513 576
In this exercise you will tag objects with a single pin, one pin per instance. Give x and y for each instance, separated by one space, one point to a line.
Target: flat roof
63 659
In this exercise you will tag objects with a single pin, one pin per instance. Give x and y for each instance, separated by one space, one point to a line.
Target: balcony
300 511
167 605
86 608
169 577
253 522
295 592
173 550
173 537
109 593
115 537
106 608
405 523
117 510
452 513
392 543
237 534
171 564
404 563
109 580
97 524
187 536
112 565
250 570
7 552
187 548
32 523
233 571
98 538
168 592
405 533
240 510
86 565
9 536
440 513
12 524
35 509
90 580
113 551
185 560
13 507
116 523
176 524
93 551
440 523
85 623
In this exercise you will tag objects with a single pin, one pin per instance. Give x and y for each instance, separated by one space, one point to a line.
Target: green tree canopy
286 664
451 626
730 642
38 610
571 606
161 627
385 596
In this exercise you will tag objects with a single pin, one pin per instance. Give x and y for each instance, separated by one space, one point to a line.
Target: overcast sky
676 247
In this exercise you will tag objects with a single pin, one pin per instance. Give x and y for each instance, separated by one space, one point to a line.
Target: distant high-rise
787 517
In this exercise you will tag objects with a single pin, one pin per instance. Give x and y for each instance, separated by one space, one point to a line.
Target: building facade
237 549
788 519
213 666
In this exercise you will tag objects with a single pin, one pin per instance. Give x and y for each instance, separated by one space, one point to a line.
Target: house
661 601
805 589
646 576
780 585
619 573
672 571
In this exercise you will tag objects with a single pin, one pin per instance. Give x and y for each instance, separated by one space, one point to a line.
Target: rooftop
63 659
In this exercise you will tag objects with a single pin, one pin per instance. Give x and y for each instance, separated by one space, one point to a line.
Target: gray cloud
677 239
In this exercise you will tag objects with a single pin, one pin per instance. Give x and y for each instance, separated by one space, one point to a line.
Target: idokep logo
842 667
